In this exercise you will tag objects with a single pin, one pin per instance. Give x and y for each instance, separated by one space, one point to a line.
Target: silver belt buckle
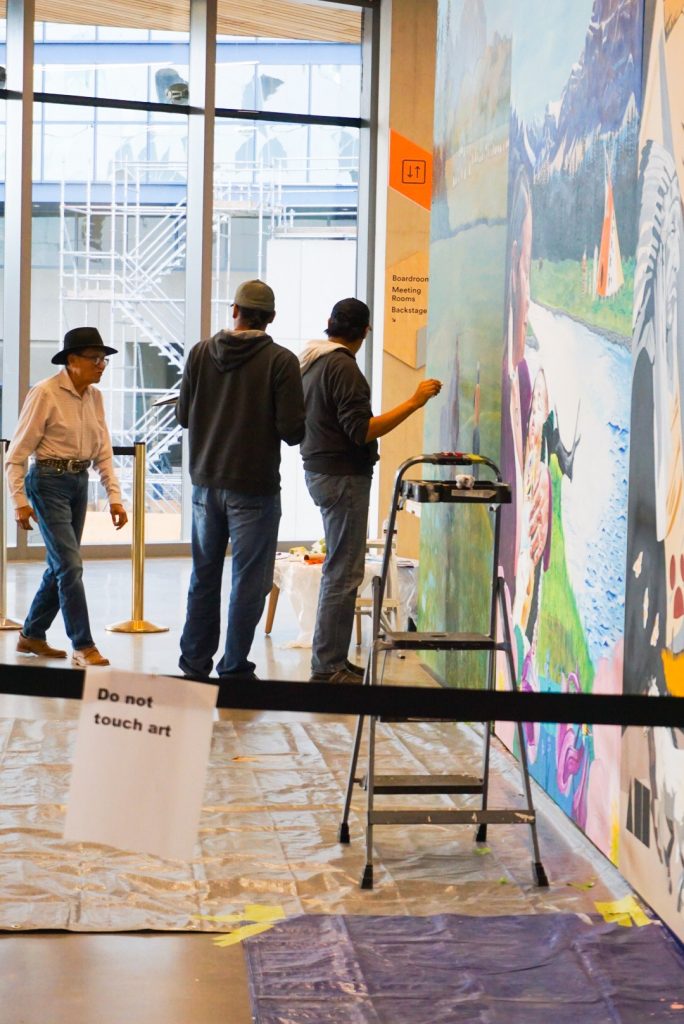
70 465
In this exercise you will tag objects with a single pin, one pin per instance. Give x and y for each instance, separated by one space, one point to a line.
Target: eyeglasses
97 360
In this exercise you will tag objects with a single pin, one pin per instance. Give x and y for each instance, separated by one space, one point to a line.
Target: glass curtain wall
110 193
285 190
109 216
3 65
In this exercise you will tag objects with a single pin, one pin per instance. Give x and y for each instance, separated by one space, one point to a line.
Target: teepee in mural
610 278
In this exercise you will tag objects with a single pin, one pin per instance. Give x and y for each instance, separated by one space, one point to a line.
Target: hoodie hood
313 350
232 349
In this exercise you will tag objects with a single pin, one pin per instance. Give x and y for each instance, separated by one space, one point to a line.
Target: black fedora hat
81 337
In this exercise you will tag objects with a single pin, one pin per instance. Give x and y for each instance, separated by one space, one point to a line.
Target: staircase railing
129 275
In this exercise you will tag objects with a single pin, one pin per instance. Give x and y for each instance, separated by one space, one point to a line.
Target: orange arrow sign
410 170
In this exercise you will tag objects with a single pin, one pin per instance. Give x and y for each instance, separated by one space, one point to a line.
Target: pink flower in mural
573 761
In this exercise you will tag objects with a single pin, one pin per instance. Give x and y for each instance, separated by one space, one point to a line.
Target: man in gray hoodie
240 396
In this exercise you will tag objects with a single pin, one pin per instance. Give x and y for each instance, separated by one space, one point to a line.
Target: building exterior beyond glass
110 212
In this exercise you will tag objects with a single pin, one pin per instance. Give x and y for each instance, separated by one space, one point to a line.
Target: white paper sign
142 750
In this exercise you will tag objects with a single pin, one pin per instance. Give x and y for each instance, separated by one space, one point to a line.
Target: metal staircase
120 267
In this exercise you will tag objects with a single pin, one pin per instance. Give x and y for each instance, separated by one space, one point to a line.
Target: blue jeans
250 522
60 501
343 501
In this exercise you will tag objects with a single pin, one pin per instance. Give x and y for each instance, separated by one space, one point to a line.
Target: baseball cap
352 311
255 295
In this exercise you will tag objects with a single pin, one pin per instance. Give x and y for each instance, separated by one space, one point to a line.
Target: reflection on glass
79 60
285 210
275 181
3 116
11 530
303 62
108 250
109 216
69 80
125 82
336 88
320 78
68 151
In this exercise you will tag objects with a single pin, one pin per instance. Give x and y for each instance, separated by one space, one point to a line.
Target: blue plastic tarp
453 969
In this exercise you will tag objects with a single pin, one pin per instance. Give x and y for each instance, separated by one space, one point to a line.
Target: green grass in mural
561 645
562 285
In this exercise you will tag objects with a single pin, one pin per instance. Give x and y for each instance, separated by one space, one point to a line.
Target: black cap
351 311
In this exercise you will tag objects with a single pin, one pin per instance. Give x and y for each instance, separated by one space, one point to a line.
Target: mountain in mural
604 86
594 121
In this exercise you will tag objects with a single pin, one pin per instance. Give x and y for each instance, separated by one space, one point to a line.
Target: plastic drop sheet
268 835
454 969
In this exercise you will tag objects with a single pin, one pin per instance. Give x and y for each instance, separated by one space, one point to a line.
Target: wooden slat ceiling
282 19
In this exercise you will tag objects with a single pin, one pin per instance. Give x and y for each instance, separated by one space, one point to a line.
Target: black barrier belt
122 449
389 701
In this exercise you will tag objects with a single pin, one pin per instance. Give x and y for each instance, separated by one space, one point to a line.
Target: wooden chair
389 612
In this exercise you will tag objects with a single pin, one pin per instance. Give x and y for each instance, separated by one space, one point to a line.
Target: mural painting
652 811
565 391
551 343
467 261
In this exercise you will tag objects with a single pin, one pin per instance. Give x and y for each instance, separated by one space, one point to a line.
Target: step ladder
462 489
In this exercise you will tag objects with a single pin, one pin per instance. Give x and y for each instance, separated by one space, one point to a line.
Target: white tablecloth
300 582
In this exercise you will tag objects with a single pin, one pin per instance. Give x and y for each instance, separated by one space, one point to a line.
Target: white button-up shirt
58 423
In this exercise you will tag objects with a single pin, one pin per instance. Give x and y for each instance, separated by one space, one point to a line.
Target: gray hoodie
338 410
240 396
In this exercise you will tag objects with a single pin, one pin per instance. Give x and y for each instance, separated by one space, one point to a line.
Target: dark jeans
250 522
343 501
60 501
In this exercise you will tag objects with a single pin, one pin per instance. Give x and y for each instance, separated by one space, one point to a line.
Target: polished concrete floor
189 978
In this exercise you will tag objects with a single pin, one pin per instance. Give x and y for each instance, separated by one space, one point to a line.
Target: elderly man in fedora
62 425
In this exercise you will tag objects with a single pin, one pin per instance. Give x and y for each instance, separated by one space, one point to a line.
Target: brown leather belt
65 465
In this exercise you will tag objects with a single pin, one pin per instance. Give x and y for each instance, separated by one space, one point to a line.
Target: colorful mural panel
549 349
652 812
566 394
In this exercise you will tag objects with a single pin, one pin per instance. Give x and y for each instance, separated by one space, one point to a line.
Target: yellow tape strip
625 912
232 938
254 920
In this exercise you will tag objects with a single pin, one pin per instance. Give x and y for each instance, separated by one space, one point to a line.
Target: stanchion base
367 877
136 626
9 623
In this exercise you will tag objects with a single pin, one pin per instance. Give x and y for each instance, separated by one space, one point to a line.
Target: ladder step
391 640
427 784
416 816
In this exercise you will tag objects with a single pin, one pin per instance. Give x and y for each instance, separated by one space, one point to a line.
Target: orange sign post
410 170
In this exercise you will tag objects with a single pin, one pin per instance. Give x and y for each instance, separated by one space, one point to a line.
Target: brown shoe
29 645
88 657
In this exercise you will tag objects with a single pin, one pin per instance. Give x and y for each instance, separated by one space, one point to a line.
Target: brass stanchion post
5 623
137 624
